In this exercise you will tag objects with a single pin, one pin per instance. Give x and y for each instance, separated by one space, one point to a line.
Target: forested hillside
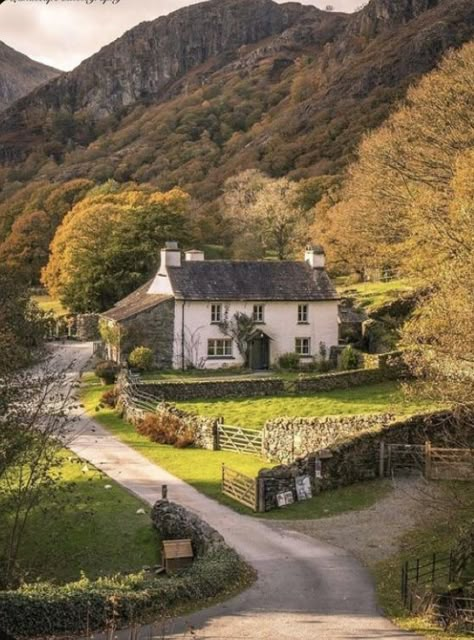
191 99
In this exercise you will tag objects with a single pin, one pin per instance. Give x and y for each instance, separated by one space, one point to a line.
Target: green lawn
254 412
88 529
46 303
372 295
202 469
440 536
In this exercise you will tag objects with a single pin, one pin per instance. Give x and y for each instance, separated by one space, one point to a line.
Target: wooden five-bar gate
435 463
240 487
239 439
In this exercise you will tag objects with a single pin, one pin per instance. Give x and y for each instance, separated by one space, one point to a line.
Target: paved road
305 590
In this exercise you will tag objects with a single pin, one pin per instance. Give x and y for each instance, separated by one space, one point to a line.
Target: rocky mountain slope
194 97
19 75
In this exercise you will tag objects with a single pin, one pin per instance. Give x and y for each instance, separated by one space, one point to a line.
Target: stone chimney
170 256
194 256
314 256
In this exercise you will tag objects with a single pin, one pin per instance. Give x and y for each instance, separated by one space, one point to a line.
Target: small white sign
303 488
318 468
285 498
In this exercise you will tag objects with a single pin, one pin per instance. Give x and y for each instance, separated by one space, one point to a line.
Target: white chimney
170 257
315 257
194 256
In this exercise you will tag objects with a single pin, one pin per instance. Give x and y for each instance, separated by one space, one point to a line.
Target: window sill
305 355
306 323
220 358
259 322
216 321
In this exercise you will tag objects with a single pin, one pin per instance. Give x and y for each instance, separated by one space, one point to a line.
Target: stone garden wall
385 367
286 439
357 459
204 429
174 522
211 389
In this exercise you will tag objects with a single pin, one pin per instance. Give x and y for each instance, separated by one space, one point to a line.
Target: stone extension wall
287 439
87 327
153 329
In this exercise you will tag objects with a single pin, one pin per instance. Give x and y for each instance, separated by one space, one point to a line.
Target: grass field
372 295
434 537
46 303
91 529
202 469
254 412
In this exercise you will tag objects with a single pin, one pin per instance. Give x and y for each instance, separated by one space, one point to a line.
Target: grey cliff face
19 75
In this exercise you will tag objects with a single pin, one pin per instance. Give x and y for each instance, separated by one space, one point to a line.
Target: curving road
305 589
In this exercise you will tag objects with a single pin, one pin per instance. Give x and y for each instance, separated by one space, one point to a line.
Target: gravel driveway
373 534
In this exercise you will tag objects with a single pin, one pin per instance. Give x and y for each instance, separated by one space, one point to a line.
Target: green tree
108 244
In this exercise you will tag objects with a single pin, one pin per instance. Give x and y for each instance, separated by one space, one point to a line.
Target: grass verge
385 397
423 541
89 529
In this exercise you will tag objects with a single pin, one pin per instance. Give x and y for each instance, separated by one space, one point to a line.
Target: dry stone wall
211 389
357 459
286 439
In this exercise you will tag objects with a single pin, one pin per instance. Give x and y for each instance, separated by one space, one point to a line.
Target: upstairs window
302 314
258 313
303 346
220 348
216 313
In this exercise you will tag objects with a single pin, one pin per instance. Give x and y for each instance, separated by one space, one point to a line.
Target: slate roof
242 280
135 303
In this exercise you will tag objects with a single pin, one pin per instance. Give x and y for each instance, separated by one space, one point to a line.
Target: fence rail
435 463
436 569
231 438
240 487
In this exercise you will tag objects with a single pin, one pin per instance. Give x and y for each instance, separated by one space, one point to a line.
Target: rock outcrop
19 75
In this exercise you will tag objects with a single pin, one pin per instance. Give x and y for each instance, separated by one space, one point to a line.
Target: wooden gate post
260 493
428 460
382 459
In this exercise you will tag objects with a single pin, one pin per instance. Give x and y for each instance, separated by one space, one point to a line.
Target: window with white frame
303 346
258 313
219 348
302 314
216 313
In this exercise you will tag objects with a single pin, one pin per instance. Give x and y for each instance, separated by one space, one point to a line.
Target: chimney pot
194 256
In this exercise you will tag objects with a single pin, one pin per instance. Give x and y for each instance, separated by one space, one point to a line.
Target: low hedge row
45 610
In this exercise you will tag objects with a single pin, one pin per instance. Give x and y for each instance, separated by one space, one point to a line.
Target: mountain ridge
19 75
288 89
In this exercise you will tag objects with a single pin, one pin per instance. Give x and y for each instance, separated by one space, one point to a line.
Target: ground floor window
219 348
303 346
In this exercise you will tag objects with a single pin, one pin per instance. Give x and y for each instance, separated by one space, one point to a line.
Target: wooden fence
449 464
436 569
435 463
231 438
240 487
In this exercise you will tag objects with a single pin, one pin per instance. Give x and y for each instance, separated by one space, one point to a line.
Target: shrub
166 428
289 361
109 398
43 610
107 371
141 358
349 359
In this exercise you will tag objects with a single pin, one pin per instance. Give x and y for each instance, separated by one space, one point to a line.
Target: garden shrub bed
45 610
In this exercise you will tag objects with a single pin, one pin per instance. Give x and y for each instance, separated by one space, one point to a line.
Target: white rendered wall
281 325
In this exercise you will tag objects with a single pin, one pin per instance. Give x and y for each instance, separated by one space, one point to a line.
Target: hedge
45 609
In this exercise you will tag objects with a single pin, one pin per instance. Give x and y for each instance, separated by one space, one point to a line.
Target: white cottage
179 314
